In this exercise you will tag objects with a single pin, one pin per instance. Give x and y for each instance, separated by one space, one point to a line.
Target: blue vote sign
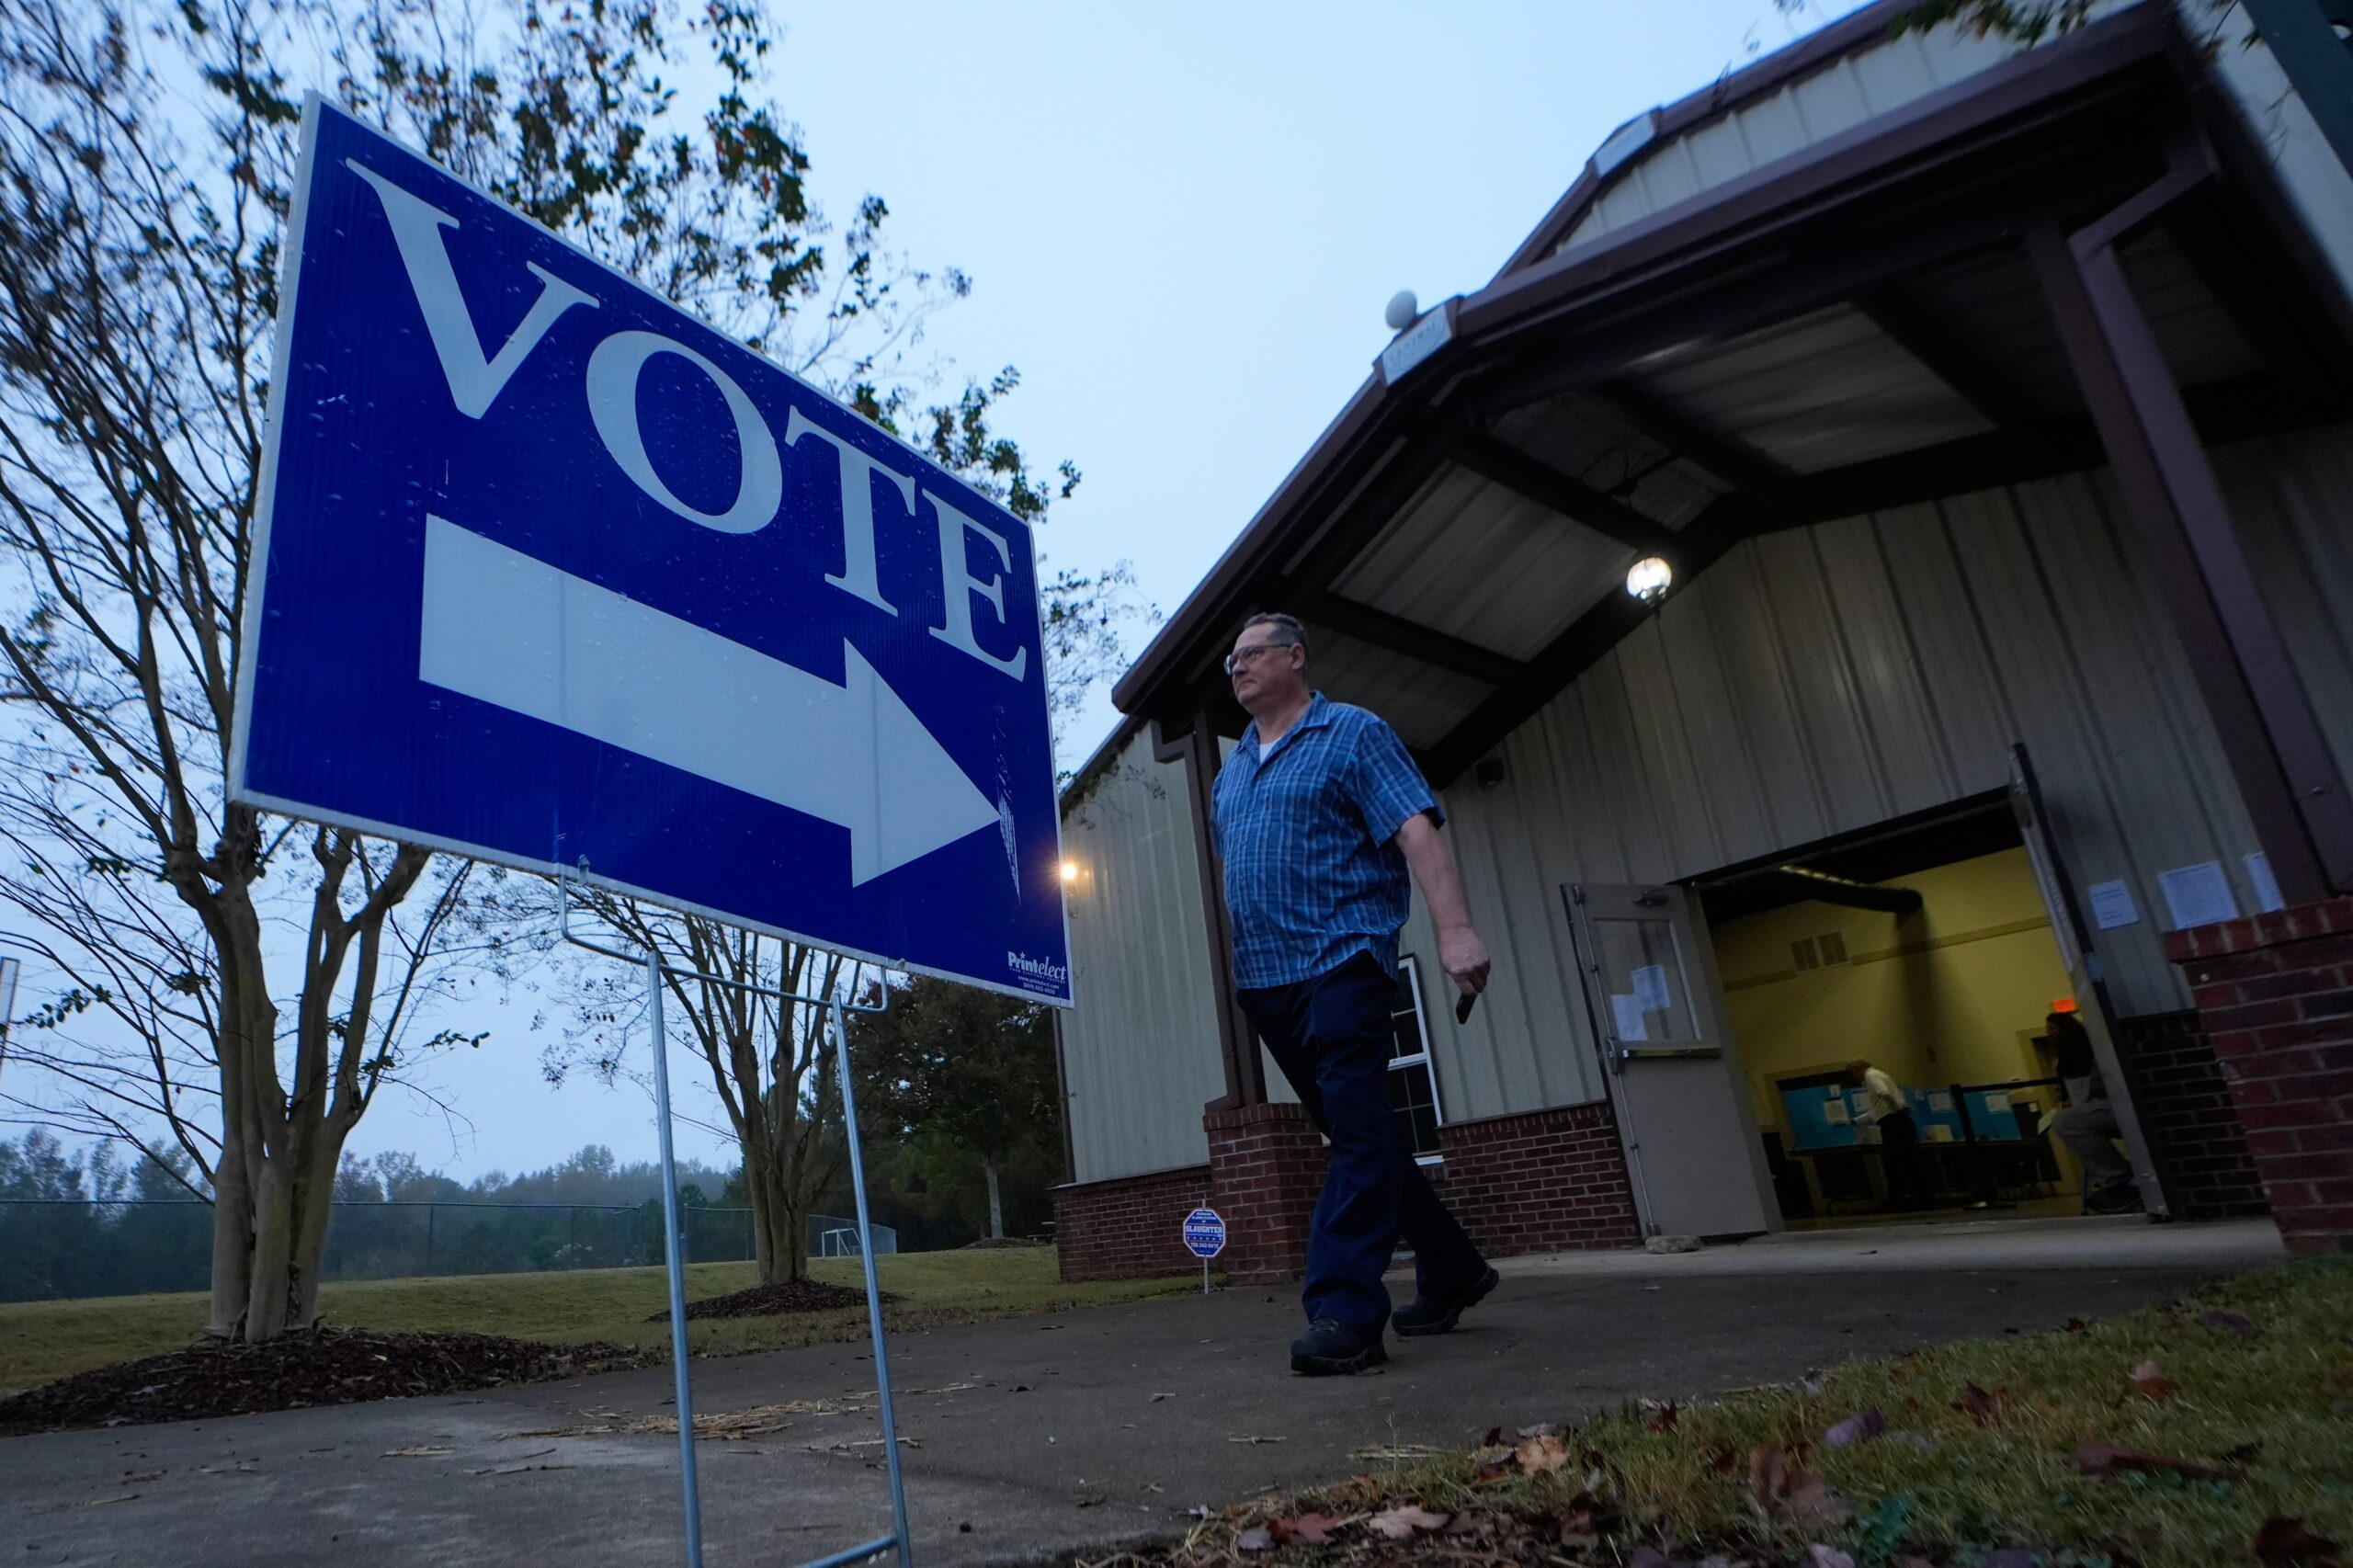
545 568
1204 1232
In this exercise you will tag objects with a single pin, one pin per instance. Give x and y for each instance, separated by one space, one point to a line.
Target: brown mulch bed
768 1300
324 1366
991 1243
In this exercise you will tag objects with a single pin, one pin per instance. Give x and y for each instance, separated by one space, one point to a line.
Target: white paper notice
1626 1013
1997 1102
1649 989
2266 886
2197 895
1940 1101
2112 905
1835 1113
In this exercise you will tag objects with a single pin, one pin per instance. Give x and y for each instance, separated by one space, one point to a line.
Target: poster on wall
2266 886
2197 895
2112 905
1626 1018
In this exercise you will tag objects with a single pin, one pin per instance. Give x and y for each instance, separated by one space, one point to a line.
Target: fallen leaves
1782 1491
1401 1522
1861 1427
2285 1543
1541 1454
1309 1530
2101 1460
1980 1406
1578 1522
2151 1382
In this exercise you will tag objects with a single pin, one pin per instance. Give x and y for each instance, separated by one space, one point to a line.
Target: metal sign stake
901 1540
873 1291
674 1256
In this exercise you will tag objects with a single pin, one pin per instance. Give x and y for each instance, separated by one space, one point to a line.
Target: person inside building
1885 1108
1320 816
2089 1124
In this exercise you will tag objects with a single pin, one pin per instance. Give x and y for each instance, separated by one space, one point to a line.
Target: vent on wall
1815 952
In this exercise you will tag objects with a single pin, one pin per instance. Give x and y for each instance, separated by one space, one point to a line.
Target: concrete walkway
1041 1435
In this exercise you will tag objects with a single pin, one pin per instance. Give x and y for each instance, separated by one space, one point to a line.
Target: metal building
1988 407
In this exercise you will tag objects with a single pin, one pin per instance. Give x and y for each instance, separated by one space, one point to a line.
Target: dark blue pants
1332 1038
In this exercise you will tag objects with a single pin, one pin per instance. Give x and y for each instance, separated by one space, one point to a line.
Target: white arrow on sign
509 630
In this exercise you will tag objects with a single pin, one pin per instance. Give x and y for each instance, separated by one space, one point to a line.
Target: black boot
1331 1347
1437 1314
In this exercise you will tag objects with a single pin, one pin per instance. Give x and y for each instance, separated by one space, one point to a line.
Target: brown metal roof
1847 328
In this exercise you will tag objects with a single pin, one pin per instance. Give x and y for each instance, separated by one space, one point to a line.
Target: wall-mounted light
1649 578
1070 873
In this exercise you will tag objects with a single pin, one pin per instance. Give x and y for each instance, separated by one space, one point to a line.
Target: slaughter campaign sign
547 569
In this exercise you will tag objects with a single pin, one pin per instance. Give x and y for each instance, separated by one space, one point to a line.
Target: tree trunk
778 1243
996 1200
273 1182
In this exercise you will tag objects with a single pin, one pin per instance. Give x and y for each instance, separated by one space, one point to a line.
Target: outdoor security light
1070 872
1649 578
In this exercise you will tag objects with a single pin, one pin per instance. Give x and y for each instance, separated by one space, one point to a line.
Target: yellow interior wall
1951 994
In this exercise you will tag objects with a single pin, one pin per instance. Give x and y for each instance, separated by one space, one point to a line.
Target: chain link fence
69 1249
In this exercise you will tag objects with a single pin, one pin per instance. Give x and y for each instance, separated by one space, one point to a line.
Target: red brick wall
1129 1228
1267 1166
2276 995
1540 1181
2184 1101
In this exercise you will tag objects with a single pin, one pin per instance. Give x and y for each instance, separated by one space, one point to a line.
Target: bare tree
236 986
767 1057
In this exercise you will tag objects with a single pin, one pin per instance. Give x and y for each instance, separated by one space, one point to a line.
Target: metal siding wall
1140 1051
1867 84
1882 77
2291 496
1825 680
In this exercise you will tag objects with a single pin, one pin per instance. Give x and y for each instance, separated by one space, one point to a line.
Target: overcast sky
1182 223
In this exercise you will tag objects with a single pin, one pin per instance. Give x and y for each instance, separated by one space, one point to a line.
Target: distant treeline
84 1223
81 1223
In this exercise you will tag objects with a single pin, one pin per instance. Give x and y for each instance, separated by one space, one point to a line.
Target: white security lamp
1649 578
1070 873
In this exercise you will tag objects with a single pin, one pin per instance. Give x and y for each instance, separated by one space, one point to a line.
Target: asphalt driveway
1033 1436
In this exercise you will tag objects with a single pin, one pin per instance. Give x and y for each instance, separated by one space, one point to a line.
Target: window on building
1413 1086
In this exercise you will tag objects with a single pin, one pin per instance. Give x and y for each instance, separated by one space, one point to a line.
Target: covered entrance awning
2078 257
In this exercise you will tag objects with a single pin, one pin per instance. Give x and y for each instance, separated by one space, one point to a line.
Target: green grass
44 1340
2277 1409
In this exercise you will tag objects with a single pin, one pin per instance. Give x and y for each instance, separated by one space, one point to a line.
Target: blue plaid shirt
1308 831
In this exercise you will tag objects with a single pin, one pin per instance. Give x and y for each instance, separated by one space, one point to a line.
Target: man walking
1320 815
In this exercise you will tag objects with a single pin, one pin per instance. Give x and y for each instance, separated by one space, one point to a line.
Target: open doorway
1925 949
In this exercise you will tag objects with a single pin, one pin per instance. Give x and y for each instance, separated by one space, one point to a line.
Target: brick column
2276 993
1267 1166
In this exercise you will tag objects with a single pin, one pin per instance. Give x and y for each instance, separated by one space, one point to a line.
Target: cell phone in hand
1462 1005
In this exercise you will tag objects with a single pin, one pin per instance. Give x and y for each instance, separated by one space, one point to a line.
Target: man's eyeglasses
1242 658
